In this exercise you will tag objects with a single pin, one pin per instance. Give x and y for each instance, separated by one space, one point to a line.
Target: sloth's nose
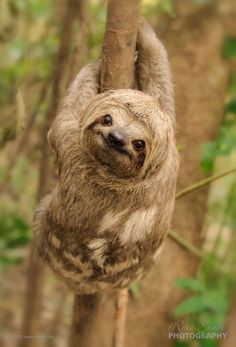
116 139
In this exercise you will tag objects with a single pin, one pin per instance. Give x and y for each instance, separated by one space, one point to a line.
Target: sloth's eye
107 120
138 144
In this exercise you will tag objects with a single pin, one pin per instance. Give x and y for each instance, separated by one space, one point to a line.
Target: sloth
104 223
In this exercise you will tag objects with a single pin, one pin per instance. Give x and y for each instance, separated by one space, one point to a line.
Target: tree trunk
194 43
117 72
120 44
85 313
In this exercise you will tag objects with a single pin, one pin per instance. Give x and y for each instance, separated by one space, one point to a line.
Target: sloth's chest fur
100 239
115 251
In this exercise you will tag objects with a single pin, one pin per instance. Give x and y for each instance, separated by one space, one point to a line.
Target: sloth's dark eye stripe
92 125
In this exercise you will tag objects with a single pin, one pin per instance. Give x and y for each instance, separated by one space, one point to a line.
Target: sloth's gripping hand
66 124
153 71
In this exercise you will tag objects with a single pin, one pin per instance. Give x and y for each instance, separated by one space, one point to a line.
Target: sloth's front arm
153 75
153 70
66 124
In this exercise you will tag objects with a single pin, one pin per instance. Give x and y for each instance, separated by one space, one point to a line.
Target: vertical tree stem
85 312
117 73
120 317
119 44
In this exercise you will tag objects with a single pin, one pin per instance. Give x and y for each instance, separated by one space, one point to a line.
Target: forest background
43 44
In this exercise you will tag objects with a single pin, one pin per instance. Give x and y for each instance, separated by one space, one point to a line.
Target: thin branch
180 240
177 238
198 253
185 244
85 312
203 183
56 322
120 317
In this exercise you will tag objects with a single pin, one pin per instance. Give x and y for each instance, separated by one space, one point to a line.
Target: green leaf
181 343
5 260
200 1
209 343
231 107
14 233
194 304
232 86
208 155
39 8
217 301
167 6
231 221
135 288
229 49
190 283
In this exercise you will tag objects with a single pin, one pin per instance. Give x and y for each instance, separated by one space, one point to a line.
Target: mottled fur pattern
103 224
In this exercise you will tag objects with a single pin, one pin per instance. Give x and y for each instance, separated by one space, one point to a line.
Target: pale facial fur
135 118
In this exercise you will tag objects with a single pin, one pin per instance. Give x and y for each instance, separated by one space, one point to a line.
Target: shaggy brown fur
104 222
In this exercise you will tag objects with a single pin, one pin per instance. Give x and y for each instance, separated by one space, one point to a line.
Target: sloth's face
115 136
118 142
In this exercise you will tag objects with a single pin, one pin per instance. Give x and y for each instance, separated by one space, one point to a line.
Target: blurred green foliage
167 6
149 7
200 1
28 43
225 142
206 306
229 50
14 233
30 49
7 134
16 212
134 288
206 309
206 300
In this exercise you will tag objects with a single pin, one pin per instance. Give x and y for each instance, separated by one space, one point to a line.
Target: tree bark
85 313
119 44
120 317
118 57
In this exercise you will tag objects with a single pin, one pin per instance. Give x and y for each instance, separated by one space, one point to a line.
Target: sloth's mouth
113 146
